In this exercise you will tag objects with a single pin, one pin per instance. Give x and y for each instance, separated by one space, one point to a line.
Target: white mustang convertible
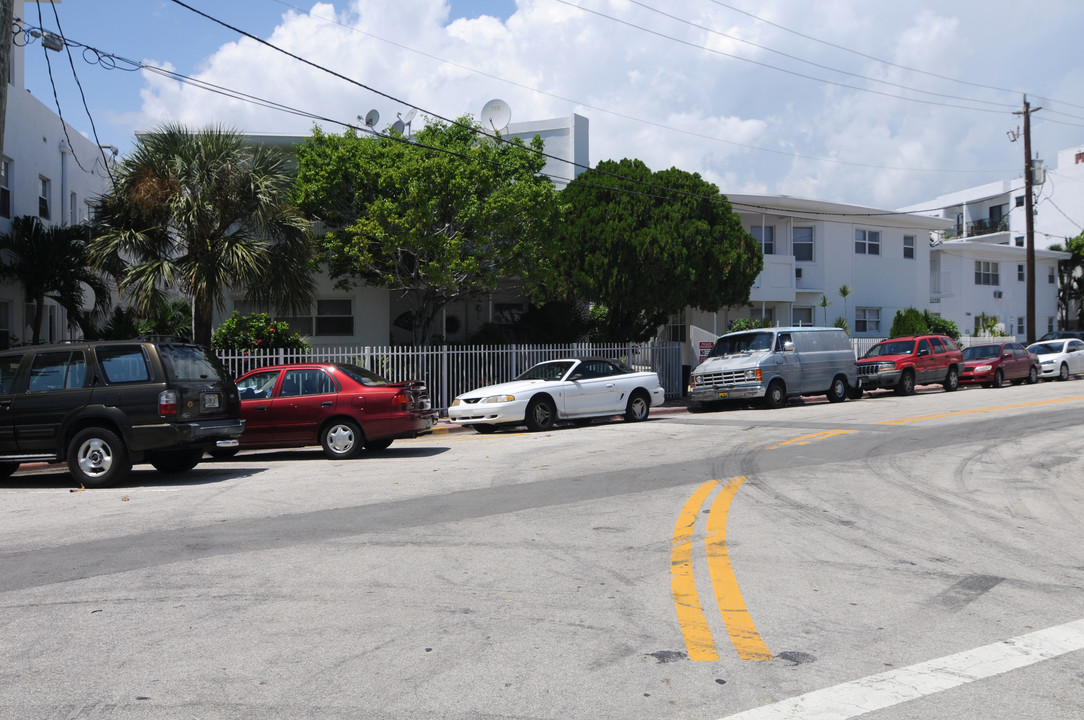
574 389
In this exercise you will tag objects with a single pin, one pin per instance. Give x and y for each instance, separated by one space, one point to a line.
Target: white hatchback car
1059 358
575 389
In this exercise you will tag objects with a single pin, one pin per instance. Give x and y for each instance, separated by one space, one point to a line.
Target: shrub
747 324
941 326
908 322
256 332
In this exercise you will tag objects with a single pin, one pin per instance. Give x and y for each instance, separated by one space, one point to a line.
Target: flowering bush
255 332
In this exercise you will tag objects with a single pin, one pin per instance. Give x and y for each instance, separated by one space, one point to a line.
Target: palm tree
1070 276
203 213
844 291
824 303
51 263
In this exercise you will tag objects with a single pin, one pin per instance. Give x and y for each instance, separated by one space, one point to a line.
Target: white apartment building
979 268
49 170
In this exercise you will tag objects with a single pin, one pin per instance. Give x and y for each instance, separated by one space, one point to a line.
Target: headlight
983 368
499 398
455 402
886 366
753 375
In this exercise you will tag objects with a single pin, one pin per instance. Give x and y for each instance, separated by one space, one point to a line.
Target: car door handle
260 408
326 403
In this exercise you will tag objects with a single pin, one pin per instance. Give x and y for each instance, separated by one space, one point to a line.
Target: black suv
103 406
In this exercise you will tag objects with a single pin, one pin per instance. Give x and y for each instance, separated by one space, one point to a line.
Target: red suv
904 362
341 407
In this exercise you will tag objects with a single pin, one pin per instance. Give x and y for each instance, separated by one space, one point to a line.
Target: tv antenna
495 115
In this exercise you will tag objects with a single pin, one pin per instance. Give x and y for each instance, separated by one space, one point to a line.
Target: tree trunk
201 321
39 312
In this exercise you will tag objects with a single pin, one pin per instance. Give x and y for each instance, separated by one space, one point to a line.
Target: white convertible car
575 389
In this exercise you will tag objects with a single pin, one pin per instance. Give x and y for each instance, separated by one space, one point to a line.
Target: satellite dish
410 115
371 118
398 127
495 115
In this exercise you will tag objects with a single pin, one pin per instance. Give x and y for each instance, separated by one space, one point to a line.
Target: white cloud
560 60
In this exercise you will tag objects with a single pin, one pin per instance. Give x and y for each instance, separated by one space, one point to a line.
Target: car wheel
98 458
175 461
6 470
906 385
1063 373
1033 376
855 393
638 408
342 440
776 396
838 391
378 445
484 429
541 414
999 379
952 380
223 453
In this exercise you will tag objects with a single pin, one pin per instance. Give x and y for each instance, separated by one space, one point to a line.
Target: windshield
188 363
750 342
982 352
1046 348
547 371
892 347
362 375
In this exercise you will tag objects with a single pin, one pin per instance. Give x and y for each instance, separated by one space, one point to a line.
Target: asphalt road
886 558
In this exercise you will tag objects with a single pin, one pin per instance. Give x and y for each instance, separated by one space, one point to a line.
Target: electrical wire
56 98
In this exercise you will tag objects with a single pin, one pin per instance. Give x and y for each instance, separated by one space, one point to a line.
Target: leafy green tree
256 332
204 213
940 326
1071 279
51 262
908 322
441 219
645 245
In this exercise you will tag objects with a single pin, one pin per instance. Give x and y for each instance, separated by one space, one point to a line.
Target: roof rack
165 338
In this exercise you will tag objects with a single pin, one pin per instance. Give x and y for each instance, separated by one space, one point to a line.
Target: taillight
401 401
167 403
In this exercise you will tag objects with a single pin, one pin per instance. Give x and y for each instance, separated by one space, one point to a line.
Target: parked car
104 406
1059 358
904 362
772 364
341 407
575 389
1062 335
991 364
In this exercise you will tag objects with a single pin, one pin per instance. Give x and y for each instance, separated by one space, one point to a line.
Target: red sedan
994 363
341 407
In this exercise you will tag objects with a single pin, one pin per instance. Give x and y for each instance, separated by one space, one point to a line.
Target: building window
1019 201
1019 241
73 210
334 317
1020 276
986 273
1050 324
867 242
763 314
5 188
1019 326
803 244
909 247
1051 277
867 320
802 316
765 235
980 326
43 198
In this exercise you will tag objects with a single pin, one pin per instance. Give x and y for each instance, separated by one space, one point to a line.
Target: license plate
211 401
724 395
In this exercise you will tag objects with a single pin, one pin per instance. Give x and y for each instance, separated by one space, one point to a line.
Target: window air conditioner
997 294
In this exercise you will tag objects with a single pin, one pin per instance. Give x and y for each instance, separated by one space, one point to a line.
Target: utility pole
7 10
1029 220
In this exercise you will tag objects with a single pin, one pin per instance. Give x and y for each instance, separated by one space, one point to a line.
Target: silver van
775 363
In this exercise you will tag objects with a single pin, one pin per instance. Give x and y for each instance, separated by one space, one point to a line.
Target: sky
882 104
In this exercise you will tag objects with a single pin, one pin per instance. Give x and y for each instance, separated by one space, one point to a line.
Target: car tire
776 395
223 453
1063 372
638 407
378 445
484 428
173 462
1033 376
342 440
952 380
6 470
855 393
999 379
906 385
838 391
541 414
98 458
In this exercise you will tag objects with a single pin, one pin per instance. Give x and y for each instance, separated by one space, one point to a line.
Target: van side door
788 363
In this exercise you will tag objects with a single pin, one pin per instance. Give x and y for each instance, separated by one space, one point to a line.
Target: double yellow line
694 626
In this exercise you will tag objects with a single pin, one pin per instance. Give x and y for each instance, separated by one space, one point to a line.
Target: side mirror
788 346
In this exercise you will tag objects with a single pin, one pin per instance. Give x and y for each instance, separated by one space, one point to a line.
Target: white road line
859 697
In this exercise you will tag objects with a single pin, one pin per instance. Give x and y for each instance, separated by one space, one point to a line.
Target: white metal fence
448 370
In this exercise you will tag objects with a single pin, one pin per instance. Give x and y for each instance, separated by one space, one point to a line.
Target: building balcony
976 228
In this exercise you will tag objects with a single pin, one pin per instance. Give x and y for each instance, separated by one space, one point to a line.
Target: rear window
9 365
123 364
362 375
190 363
